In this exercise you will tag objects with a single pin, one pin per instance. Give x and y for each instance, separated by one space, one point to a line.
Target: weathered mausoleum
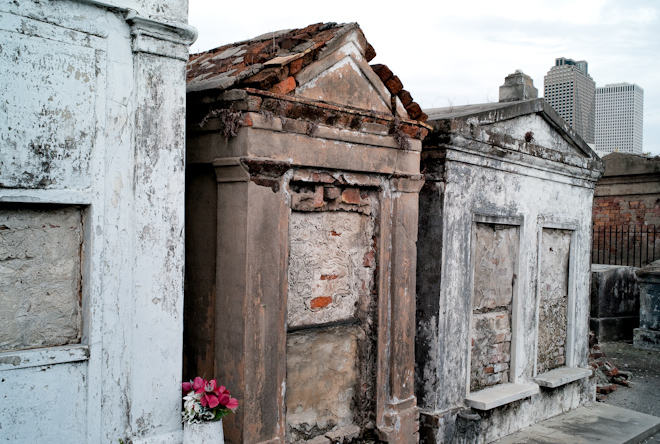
503 267
302 189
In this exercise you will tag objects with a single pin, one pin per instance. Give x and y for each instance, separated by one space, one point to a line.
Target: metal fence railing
634 246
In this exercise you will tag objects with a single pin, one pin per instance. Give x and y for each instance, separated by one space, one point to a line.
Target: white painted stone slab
561 376
598 423
501 394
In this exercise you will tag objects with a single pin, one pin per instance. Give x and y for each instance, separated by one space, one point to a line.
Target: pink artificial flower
232 404
210 401
224 399
187 386
209 386
198 385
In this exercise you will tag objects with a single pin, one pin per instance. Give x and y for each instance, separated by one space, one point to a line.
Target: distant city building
619 118
571 91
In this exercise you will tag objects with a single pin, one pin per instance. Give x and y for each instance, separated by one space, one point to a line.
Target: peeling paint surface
47 136
487 172
39 276
92 100
56 414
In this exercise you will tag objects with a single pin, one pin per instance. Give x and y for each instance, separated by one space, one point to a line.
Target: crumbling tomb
302 189
503 266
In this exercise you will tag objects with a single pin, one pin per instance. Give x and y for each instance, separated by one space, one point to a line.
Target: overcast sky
458 52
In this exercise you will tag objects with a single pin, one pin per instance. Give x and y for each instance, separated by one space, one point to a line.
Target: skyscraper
571 91
619 118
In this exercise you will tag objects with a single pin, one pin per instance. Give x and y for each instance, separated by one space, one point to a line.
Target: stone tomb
301 196
503 269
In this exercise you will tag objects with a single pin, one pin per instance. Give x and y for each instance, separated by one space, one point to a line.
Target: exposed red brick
320 302
405 97
394 85
264 79
247 121
423 117
410 130
414 110
489 370
322 177
351 196
318 196
423 132
368 260
383 72
331 193
328 277
370 53
295 66
334 233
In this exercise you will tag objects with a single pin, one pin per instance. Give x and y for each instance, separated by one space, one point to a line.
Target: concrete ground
644 366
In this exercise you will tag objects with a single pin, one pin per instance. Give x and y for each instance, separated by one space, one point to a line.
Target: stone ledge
501 394
561 376
12 360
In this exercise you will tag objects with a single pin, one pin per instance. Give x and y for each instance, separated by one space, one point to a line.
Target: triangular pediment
345 83
532 134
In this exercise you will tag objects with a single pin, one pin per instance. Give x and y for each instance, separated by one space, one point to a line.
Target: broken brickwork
496 252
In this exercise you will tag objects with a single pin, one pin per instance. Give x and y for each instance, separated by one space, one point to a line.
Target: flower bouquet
206 401
204 405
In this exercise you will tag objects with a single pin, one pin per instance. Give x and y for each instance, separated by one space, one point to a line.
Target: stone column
155 332
398 415
250 310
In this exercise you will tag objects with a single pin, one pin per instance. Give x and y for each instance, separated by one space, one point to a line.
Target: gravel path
644 366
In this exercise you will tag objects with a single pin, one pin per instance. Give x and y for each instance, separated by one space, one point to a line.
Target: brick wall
626 210
496 250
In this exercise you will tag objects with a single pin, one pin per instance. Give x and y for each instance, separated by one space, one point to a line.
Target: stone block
41 276
322 375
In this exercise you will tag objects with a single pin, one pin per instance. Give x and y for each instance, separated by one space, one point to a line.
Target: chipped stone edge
13 360
562 376
499 395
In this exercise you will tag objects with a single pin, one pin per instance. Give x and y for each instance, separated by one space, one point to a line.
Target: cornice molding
152 36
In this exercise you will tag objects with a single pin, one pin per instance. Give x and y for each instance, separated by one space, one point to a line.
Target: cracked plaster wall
553 299
86 91
475 182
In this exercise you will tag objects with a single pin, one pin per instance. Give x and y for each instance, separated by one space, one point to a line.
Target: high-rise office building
619 118
571 91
